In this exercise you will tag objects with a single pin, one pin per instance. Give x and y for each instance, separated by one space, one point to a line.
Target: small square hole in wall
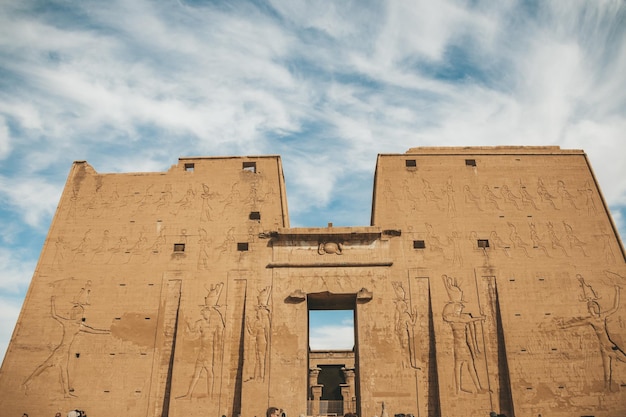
255 215
419 244
470 162
242 246
249 166
483 243
189 167
410 163
179 247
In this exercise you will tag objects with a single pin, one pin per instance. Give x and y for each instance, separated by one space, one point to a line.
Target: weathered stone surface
489 280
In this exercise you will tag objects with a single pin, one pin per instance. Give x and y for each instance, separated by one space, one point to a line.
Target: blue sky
133 85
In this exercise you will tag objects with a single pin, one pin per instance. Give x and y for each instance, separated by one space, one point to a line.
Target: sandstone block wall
488 280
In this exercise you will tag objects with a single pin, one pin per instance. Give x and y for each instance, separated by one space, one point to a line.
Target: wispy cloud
131 86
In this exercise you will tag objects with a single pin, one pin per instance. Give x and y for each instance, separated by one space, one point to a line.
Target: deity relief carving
210 330
610 350
464 339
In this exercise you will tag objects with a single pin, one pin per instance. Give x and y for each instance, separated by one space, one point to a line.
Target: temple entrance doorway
333 354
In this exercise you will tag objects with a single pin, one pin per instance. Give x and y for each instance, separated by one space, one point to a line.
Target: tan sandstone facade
488 280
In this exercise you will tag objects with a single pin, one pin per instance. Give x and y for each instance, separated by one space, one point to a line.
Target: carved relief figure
210 330
449 193
597 319
204 244
434 243
465 344
573 240
60 356
207 196
544 194
554 239
165 198
498 243
536 239
565 195
470 198
259 329
405 320
102 247
330 248
490 198
516 239
508 196
589 201
430 195
525 196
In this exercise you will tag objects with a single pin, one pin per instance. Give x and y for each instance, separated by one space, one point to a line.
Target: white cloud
332 337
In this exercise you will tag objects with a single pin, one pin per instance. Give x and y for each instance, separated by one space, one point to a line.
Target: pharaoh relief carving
610 350
259 330
74 324
405 319
464 339
210 330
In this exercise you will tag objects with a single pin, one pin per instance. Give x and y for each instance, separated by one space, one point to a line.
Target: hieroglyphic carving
597 320
210 329
465 343
72 326
405 320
